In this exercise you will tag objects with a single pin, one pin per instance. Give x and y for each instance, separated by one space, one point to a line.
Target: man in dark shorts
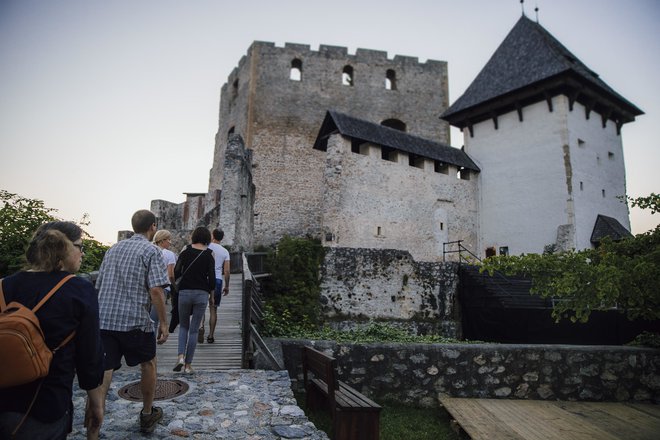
131 280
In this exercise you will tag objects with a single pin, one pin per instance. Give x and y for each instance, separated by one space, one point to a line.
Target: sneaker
200 336
148 421
188 370
178 365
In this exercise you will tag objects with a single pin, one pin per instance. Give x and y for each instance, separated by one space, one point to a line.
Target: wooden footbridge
226 352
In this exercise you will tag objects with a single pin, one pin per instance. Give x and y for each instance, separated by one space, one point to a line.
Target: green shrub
292 292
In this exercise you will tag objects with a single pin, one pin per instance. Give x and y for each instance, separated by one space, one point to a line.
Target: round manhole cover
165 389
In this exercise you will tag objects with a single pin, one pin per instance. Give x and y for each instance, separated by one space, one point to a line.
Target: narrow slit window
230 132
347 76
581 186
602 191
296 70
390 79
378 231
442 226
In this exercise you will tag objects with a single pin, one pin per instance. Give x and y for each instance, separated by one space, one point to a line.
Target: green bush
292 292
19 218
621 274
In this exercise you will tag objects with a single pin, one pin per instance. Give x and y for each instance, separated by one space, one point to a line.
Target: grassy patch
396 422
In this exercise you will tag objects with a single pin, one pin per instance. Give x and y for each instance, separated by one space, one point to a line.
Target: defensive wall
375 203
389 285
417 374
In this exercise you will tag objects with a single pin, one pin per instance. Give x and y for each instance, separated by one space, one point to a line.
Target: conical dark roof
530 66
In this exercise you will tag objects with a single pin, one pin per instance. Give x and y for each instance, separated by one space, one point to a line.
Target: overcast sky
107 105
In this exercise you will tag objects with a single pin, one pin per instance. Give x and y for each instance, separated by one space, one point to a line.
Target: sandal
210 339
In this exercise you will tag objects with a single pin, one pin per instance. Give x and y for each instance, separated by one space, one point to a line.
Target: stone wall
279 118
389 285
416 374
370 202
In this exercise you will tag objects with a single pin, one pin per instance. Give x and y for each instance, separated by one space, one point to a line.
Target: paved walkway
222 402
232 405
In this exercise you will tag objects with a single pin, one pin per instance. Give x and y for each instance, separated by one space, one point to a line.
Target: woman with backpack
43 408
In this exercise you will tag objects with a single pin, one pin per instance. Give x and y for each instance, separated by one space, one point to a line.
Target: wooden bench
354 416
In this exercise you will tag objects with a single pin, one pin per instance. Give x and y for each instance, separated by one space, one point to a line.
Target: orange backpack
24 355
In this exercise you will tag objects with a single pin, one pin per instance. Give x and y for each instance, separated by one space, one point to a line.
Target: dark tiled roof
388 137
532 62
608 227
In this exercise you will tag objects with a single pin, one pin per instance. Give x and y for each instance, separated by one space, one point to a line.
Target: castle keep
353 150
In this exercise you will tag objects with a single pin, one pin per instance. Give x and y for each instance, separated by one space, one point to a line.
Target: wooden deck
496 419
225 352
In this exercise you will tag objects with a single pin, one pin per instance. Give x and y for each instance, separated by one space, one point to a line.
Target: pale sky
107 105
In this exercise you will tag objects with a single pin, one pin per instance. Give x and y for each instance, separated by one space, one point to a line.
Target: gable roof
608 227
529 66
389 137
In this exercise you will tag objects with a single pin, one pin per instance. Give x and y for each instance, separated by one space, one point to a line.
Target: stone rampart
416 374
388 285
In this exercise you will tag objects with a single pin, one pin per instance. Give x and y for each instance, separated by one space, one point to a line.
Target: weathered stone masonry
416 374
388 285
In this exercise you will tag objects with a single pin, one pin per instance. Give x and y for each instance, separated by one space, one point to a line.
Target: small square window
610 155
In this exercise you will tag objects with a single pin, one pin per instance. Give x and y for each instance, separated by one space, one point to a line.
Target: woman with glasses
54 252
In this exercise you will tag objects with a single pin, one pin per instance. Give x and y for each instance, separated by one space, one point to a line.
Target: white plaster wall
598 163
523 180
416 209
531 171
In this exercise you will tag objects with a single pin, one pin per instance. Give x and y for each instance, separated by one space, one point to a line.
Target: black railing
453 247
253 314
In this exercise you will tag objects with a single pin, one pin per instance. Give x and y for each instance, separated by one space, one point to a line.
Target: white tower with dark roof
545 131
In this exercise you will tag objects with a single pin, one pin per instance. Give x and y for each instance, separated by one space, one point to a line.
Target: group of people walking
124 317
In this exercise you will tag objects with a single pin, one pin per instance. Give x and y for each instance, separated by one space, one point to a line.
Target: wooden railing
253 314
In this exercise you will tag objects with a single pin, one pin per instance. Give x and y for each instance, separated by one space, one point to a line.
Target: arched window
395 124
347 76
390 79
230 132
296 70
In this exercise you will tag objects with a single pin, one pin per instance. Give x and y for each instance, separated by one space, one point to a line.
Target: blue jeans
192 305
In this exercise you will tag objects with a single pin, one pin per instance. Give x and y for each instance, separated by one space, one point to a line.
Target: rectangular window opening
378 231
504 250
603 192
416 161
463 174
610 155
440 167
442 226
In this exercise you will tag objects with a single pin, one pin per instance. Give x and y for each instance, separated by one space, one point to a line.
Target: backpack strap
52 292
3 304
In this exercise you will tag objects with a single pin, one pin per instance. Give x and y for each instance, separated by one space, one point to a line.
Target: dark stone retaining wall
416 374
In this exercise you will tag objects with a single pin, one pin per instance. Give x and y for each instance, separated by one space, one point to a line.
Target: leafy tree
623 274
293 290
19 218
